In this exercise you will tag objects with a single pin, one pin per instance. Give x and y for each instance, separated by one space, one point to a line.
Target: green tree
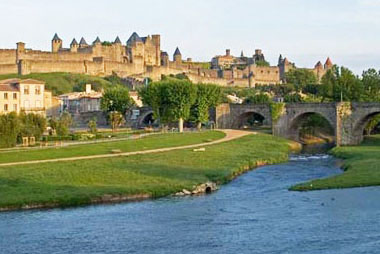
339 83
208 96
92 126
116 119
293 98
260 98
32 125
371 85
170 100
262 63
300 78
64 123
372 124
116 99
9 129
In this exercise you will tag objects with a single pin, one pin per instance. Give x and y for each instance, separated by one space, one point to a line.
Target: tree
339 83
372 124
170 100
116 99
116 119
371 85
32 125
292 98
262 63
208 95
64 123
9 129
300 78
92 126
260 98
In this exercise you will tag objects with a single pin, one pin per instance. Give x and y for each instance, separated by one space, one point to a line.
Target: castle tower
20 51
177 57
83 43
164 59
56 43
280 59
328 64
117 40
156 38
97 41
74 46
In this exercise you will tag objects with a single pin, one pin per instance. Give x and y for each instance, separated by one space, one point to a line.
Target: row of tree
338 84
15 126
180 100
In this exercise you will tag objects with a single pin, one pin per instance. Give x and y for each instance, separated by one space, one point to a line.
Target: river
253 214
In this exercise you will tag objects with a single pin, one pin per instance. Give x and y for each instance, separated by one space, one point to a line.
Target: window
26 90
26 104
14 107
38 90
5 96
38 104
5 107
15 96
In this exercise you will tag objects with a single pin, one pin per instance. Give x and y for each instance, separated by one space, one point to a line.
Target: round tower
177 57
56 43
74 46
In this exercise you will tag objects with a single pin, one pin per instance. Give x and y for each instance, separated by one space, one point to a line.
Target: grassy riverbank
149 175
154 141
361 165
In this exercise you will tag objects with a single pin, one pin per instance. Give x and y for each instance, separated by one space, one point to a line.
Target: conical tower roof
74 42
97 40
56 37
318 65
328 62
134 37
83 42
117 40
177 52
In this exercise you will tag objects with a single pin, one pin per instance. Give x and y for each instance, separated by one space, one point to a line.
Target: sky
305 31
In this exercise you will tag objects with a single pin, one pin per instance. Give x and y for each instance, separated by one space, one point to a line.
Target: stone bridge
347 119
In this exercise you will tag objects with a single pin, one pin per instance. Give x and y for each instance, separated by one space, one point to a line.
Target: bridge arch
250 118
361 123
146 118
298 124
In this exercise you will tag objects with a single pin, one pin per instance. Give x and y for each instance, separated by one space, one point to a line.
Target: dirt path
230 135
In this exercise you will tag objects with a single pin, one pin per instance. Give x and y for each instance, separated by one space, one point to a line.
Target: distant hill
60 83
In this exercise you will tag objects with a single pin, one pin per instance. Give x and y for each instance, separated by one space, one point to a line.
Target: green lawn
146 143
60 82
361 165
157 175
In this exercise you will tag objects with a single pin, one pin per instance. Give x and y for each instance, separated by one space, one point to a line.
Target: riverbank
75 183
361 165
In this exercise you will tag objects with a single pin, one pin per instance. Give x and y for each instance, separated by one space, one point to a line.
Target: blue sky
303 30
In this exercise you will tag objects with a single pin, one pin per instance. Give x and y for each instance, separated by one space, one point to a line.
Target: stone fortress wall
142 57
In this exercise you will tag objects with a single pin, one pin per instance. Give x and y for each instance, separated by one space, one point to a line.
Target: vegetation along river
253 214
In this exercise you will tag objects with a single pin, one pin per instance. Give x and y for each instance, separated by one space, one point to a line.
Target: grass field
145 143
60 83
361 165
156 175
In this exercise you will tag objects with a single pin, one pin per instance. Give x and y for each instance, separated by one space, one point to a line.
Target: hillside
60 83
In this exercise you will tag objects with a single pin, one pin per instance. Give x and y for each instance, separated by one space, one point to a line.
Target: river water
253 214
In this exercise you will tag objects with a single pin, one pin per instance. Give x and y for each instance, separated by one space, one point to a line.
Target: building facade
26 95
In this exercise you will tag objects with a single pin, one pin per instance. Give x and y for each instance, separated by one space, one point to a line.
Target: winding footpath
230 135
